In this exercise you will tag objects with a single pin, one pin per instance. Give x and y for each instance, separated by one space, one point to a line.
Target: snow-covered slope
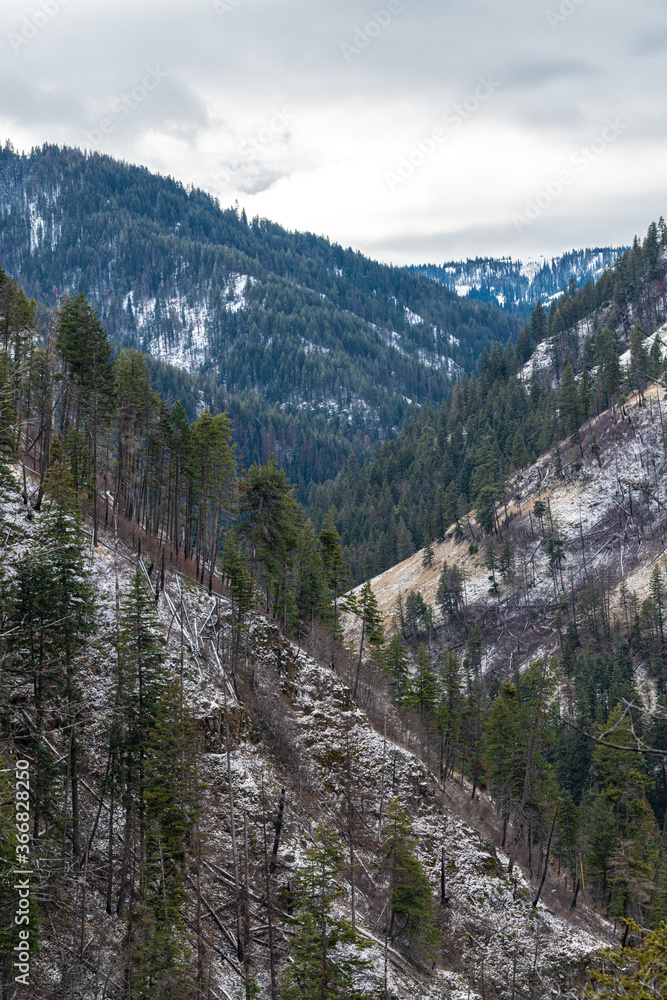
294 725
610 532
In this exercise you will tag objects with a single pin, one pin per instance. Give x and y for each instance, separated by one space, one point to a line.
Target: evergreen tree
139 683
609 366
639 361
336 570
449 709
411 898
427 558
425 683
89 383
634 973
450 591
520 457
270 521
538 324
398 663
501 742
71 599
325 950
569 407
367 610
450 507
161 951
622 853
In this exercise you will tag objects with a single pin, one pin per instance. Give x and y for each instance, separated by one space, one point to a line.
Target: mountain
204 788
224 773
444 461
519 285
281 746
316 351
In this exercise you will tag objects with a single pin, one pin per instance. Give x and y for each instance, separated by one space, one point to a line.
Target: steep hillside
613 533
519 285
295 330
279 720
564 368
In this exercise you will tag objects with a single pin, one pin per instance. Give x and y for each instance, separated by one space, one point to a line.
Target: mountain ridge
244 308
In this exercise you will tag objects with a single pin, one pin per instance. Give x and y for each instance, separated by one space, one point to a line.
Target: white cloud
350 121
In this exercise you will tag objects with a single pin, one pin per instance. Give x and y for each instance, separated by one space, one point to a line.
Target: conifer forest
322 678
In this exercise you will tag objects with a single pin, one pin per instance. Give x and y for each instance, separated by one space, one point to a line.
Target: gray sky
414 130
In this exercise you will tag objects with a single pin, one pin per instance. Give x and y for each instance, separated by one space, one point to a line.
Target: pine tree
427 558
325 959
411 897
425 683
33 640
568 402
500 742
450 508
161 952
337 572
212 469
238 574
89 382
624 861
139 683
634 973
367 610
506 561
520 457
397 662
639 361
609 366
450 708
71 598
270 520
450 591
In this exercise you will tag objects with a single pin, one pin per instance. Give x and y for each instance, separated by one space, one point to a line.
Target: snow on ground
413 318
660 335
324 729
589 502
179 329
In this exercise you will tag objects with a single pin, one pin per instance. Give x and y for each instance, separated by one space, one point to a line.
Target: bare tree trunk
522 806
279 826
269 908
232 824
246 906
546 861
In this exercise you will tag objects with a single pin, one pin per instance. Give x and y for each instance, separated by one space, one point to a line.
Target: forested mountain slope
519 285
564 368
306 768
205 790
316 351
569 592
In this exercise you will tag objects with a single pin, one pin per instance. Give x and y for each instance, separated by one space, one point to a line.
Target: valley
333 636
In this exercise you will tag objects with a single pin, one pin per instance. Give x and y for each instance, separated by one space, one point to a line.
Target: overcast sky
420 130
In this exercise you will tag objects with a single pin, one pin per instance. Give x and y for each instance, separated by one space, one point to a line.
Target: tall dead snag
279 826
232 825
269 906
